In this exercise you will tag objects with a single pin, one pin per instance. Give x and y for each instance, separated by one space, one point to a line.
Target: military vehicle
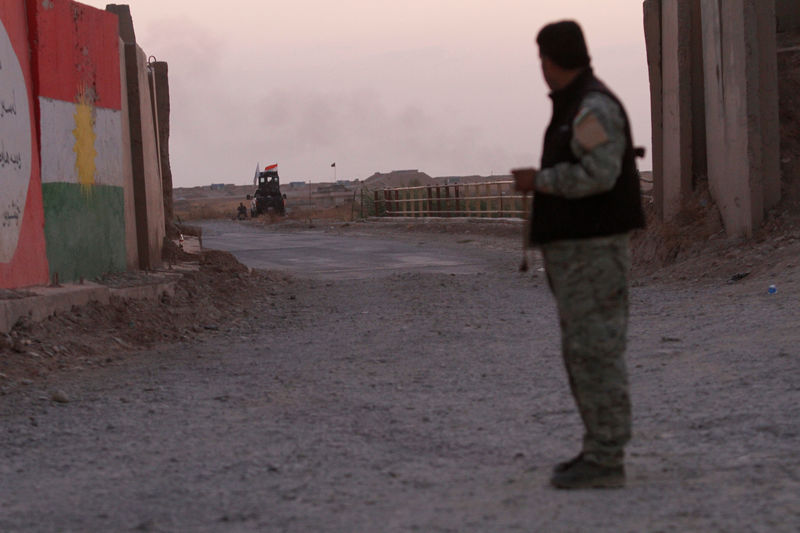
267 197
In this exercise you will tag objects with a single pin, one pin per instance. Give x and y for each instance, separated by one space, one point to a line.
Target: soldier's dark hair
563 43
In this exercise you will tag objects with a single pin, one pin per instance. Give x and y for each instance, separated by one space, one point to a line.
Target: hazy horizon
449 87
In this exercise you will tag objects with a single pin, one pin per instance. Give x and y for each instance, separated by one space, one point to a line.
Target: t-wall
23 261
76 61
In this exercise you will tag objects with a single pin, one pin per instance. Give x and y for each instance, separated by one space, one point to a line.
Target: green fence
494 199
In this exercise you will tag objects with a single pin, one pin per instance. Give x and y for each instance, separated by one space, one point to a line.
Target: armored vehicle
267 196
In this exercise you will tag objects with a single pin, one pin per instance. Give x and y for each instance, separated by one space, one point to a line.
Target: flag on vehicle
271 167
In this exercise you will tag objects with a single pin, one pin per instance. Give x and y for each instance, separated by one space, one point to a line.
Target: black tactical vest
616 211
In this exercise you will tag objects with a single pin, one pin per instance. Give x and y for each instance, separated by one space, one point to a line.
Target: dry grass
216 208
208 208
342 213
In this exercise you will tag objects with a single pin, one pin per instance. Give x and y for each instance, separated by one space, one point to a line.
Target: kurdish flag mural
22 246
77 63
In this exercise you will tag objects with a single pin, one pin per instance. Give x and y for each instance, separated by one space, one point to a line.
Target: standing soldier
586 201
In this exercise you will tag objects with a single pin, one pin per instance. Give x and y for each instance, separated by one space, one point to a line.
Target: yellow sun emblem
85 152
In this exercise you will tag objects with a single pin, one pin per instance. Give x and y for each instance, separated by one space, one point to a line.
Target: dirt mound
694 247
218 296
665 243
217 261
172 253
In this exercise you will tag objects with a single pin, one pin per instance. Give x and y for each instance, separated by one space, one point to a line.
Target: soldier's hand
524 179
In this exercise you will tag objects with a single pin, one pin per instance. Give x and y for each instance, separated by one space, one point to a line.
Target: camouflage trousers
589 280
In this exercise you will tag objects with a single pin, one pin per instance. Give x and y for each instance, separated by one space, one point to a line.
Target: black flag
333 164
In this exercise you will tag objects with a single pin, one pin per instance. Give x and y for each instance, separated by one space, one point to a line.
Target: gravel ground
422 402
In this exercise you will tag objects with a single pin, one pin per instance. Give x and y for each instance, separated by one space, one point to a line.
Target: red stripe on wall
29 265
77 49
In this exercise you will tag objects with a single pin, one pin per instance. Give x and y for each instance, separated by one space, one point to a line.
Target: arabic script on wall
15 147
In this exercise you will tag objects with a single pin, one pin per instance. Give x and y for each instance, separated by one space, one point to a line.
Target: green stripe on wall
84 228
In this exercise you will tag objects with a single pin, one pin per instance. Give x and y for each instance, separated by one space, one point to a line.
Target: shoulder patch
590 133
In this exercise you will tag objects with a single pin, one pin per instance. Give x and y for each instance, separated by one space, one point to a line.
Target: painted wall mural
80 111
22 249
16 151
66 165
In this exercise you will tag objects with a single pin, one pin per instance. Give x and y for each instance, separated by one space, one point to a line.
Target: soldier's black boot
583 474
563 466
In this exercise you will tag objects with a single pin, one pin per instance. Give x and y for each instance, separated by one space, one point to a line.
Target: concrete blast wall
80 189
159 82
23 259
147 187
676 101
741 110
715 106
131 234
788 13
675 62
144 152
789 88
81 138
652 30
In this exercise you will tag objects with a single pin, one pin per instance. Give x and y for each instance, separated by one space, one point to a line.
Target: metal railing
489 199
492 199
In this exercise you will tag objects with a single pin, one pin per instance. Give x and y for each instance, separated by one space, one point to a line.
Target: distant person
242 211
586 201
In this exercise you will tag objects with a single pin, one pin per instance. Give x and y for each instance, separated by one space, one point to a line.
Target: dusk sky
449 87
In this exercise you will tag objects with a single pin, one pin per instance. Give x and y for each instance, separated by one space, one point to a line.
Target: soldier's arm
599 143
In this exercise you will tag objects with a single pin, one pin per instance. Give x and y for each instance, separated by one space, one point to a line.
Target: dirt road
420 401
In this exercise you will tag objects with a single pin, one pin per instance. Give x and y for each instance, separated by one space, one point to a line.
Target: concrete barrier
80 185
788 14
131 232
675 61
676 64
714 88
79 99
652 31
23 260
768 103
741 110
147 186
147 291
46 301
789 83
159 73
39 303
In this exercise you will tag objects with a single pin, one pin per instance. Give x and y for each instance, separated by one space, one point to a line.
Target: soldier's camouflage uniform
589 280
